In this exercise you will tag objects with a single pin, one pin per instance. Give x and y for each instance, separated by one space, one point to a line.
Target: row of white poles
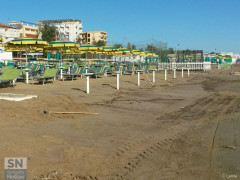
118 77
139 78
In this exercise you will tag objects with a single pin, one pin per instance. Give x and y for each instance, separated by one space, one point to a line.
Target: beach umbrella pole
61 68
61 73
118 74
86 62
153 76
138 78
68 69
165 74
26 53
182 72
87 84
26 77
174 72
188 72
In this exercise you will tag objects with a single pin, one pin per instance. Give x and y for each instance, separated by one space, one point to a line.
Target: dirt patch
165 132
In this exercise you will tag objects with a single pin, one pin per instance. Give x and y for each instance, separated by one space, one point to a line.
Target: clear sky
193 24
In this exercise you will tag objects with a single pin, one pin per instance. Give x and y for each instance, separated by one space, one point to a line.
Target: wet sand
184 128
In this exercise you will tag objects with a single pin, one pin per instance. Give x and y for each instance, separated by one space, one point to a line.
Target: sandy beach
184 128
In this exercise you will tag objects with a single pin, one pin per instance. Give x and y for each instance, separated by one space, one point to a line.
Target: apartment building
8 33
69 29
88 37
27 29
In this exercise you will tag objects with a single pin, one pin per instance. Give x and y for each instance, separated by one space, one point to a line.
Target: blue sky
193 24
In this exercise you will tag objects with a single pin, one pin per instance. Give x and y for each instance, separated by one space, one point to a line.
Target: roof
6 26
94 31
58 21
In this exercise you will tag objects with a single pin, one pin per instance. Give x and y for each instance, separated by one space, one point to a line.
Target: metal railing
180 66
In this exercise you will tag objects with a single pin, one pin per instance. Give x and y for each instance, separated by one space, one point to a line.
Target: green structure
49 55
57 56
220 61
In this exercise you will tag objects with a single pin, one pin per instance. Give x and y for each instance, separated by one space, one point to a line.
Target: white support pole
61 73
165 74
26 77
174 73
26 55
68 69
87 84
138 78
153 76
182 72
188 72
117 81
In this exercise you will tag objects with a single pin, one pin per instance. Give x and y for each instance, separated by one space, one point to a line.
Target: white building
235 57
226 54
5 56
69 29
8 33
27 29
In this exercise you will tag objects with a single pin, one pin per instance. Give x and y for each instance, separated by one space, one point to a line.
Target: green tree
117 45
129 46
170 51
99 43
151 48
48 32
162 53
79 40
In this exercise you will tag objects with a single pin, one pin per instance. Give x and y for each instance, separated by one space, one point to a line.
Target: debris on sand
16 97
229 147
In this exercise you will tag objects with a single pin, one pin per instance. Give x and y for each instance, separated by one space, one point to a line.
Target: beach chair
145 67
11 64
33 70
5 68
122 68
111 69
10 76
48 75
98 70
152 67
65 67
76 72
137 67
130 69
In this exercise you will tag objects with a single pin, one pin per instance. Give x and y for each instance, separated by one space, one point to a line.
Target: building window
88 35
